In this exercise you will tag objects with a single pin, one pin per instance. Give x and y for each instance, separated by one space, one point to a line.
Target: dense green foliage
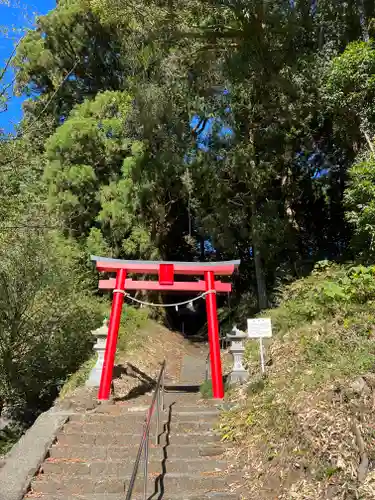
184 130
42 302
125 172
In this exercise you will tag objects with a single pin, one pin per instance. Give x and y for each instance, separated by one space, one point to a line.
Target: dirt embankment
306 431
138 363
138 367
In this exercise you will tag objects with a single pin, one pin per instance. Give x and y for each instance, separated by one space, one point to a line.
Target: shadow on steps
159 488
145 388
147 383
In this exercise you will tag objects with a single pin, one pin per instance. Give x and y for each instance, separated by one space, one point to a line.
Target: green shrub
78 378
329 288
46 318
8 437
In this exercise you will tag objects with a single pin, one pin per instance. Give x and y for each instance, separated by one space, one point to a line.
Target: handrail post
145 441
145 467
207 367
157 417
162 389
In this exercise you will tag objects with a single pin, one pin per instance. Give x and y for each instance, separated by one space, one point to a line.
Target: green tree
69 57
349 90
91 163
360 203
10 32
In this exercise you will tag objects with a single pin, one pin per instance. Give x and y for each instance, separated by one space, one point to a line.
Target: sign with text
258 328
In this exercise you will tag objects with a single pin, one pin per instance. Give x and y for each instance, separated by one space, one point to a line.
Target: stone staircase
94 454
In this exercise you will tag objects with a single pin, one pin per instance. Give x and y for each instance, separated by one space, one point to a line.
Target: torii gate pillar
213 337
166 282
113 328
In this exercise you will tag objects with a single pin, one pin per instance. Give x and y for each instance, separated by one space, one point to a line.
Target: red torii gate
166 272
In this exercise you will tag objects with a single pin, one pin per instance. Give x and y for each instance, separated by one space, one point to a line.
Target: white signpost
260 328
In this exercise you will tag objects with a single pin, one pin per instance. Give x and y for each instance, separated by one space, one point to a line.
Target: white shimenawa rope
151 304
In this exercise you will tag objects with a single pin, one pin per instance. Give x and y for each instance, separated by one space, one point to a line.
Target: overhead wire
49 101
9 60
154 304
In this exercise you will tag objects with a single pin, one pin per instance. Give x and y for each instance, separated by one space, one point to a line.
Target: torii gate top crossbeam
106 264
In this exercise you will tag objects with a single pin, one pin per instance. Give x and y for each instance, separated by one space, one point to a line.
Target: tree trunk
291 216
261 282
259 273
202 249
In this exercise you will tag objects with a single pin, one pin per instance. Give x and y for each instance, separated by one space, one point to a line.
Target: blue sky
16 20
205 135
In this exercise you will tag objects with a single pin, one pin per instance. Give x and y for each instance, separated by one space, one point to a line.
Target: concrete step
138 418
121 426
172 483
192 425
195 495
176 406
169 401
116 452
191 411
127 418
121 468
178 399
140 412
71 438
188 413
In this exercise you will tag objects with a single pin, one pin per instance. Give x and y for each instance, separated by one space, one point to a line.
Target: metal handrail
158 399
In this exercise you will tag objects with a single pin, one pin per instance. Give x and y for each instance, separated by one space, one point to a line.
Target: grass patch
132 321
78 378
206 389
9 437
256 386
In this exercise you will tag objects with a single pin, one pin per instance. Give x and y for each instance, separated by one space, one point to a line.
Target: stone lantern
101 339
237 348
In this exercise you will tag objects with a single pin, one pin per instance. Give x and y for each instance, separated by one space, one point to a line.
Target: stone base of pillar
101 339
238 374
238 377
94 378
